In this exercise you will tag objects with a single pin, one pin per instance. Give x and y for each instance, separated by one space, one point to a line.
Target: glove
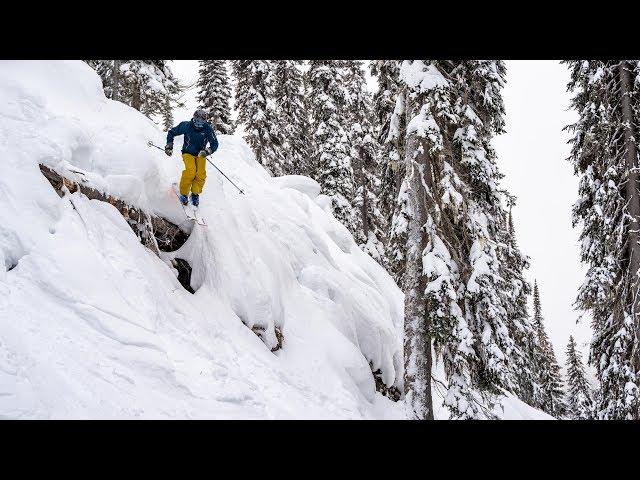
205 152
168 150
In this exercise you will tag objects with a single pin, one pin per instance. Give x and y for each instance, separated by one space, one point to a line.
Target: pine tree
548 394
291 118
109 72
365 160
396 205
480 112
389 125
311 169
521 326
457 292
331 146
387 73
579 402
167 114
384 102
604 154
214 94
146 85
256 110
398 231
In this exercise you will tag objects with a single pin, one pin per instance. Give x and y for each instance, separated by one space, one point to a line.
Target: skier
197 133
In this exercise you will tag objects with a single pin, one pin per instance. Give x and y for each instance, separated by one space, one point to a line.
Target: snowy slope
94 325
508 407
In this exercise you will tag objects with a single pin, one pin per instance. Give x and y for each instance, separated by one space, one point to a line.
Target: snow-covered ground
94 325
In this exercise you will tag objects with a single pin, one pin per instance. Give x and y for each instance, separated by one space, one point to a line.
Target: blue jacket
194 139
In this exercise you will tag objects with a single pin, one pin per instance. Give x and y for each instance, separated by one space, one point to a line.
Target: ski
189 211
198 220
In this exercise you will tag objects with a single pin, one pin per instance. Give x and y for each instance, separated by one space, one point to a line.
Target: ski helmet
199 118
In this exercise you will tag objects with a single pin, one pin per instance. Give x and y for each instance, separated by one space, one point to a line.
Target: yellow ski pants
193 175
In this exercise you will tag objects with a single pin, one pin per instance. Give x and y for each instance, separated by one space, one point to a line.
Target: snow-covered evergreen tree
167 114
365 160
256 110
102 68
517 290
311 167
548 394
387 73
109 71
396 205
605 158
214 94
146 85
331 147
462 274
291 117
390 149
579 397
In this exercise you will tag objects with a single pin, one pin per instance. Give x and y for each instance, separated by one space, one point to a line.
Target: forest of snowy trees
605 158
411 172
146 85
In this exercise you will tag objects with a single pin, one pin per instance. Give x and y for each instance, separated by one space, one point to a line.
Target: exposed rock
259 331
184 273
279 338
390 392
154 232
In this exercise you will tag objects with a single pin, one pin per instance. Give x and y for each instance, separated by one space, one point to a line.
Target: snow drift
95 325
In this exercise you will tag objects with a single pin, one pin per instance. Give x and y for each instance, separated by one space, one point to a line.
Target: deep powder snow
94 325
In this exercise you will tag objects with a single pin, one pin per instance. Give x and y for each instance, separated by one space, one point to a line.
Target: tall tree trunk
257 83
115 80
136 99
365 201
633 201
417 338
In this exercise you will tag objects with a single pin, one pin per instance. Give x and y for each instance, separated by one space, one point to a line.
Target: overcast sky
532 156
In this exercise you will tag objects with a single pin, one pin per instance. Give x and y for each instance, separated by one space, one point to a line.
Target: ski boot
195 199
184 200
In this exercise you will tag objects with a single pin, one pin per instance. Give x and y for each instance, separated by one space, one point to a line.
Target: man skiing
197 133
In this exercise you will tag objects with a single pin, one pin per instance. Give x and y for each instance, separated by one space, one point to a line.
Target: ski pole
151 144
239 189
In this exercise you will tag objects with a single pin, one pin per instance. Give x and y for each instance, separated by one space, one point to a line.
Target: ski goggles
198 122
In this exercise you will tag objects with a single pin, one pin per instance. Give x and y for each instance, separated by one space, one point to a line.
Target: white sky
187 72
532 155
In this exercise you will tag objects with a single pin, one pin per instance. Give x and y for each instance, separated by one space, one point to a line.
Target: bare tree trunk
365 201
115 80
257 83
417 338
633 201
397 178
136 99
